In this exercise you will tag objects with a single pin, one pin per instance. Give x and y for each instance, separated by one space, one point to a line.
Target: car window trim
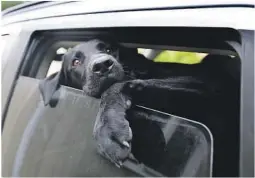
144 9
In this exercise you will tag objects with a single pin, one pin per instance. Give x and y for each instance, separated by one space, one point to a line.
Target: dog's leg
111 130
183 83
161 92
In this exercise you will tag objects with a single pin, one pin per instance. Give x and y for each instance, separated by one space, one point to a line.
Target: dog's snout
103 66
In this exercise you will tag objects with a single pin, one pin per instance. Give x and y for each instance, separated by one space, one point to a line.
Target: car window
56 140
161 56
169 56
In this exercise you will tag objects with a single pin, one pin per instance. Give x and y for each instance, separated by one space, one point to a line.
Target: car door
44 141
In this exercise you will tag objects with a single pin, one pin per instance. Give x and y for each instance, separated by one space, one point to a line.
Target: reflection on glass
179 147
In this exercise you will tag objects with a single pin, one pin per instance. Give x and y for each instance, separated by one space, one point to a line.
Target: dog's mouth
109 81
97 83
95 90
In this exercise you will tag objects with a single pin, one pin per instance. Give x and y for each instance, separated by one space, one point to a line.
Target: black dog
123 78
90 66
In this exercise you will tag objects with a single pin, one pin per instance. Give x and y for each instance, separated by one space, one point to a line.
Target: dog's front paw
113 136
133 87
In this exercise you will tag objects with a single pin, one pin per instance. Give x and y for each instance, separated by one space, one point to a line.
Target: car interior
55 130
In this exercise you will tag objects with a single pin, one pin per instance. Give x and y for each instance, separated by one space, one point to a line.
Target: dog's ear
49 86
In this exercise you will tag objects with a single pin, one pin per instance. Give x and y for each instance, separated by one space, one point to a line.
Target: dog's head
92 66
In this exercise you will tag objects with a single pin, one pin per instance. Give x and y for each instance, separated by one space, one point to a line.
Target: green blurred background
164 56
7 4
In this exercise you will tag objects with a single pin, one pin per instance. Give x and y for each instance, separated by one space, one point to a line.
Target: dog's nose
103 66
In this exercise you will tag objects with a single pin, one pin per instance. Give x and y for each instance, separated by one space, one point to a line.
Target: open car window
160 56
58 141
170 56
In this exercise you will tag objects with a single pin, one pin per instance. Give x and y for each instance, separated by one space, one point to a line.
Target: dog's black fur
197 92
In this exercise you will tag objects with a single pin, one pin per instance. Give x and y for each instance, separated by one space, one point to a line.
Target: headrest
231 65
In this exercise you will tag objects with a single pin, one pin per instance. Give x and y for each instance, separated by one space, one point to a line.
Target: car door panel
44 141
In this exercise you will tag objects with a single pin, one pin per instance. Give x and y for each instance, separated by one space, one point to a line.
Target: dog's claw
128 103
130 133
131 85
119 164
125 143
138 85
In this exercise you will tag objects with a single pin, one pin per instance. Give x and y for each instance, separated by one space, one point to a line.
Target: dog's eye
78 57
76 62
